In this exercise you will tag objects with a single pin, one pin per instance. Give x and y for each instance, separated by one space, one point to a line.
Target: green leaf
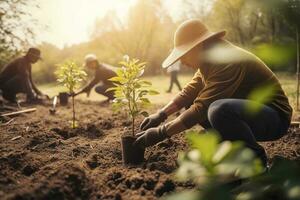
145 113
258 97
146 83
206 143
145 100
117 79
153 92
112 89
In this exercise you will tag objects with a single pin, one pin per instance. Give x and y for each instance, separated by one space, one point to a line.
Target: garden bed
51 161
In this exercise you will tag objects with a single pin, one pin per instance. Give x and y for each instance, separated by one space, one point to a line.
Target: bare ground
51 161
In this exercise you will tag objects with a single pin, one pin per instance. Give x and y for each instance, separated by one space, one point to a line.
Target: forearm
174 127
170 108
36 90
33 86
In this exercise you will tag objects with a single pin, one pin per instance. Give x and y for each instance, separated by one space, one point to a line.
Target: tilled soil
52 161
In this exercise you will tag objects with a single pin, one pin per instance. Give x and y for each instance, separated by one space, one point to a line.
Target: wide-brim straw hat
187 36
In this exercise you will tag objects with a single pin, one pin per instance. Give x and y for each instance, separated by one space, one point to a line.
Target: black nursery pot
63 98
131 154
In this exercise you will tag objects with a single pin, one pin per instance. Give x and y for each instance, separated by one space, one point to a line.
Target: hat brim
180 51
37 56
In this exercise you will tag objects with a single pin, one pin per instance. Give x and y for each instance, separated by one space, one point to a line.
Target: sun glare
71 21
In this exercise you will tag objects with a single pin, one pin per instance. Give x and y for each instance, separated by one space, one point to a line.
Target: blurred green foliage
229 171
278 56
210 159
259 97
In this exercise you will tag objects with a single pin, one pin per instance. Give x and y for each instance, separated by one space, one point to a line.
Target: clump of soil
52 161
67 182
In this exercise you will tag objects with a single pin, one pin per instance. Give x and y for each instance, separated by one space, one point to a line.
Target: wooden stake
19 112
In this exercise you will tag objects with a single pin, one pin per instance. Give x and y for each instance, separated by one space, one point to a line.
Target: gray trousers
101 89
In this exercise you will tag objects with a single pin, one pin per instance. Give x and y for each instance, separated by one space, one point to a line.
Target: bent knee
217 110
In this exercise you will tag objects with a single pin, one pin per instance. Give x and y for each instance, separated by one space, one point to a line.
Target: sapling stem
74 118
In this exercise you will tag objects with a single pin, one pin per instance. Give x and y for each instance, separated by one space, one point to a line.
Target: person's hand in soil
151 136
43 96
88 93
153 120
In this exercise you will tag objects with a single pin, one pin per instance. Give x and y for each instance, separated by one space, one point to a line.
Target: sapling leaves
69 74
129 89
144 113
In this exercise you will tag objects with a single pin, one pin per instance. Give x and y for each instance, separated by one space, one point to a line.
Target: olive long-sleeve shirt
236 79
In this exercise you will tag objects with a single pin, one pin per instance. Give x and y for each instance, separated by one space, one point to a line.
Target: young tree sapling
70 75
130 90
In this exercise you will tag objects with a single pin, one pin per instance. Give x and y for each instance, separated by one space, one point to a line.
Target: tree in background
197 9
16 27
146 33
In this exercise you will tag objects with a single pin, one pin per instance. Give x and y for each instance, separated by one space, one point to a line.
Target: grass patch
161 84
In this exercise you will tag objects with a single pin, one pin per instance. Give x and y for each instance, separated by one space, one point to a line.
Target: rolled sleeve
222 83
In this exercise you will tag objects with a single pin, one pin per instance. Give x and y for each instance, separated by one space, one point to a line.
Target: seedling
130 90
70 75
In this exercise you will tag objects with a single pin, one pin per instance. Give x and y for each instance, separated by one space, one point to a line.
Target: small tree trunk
298 67
133 121
73 105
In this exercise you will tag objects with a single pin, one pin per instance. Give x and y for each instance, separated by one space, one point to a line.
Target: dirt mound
68 182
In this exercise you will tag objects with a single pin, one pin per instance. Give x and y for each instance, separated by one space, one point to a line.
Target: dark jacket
19 69
102 74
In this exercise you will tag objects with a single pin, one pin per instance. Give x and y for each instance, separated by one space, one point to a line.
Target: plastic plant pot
63 98
131 154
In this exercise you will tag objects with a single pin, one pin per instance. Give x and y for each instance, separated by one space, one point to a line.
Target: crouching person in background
16 78
102 74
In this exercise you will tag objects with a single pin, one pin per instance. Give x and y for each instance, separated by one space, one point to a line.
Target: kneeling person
218 95
16 77
101 74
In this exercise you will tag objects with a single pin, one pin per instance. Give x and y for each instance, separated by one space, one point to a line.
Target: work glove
153 120
151 136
